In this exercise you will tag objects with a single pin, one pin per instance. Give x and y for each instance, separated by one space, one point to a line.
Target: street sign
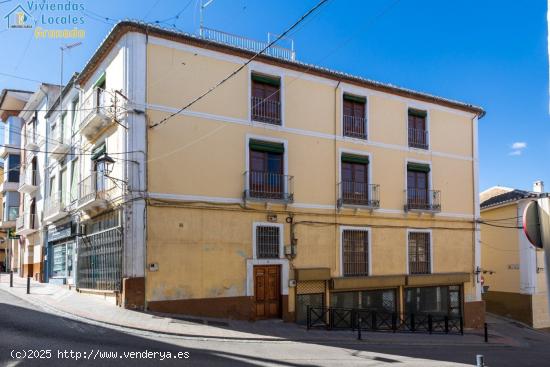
531 224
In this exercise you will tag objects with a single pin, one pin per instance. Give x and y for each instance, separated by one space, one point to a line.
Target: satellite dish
531 224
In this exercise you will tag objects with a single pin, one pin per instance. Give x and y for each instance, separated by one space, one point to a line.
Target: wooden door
267 291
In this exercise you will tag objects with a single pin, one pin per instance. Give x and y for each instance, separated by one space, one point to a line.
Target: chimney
538 186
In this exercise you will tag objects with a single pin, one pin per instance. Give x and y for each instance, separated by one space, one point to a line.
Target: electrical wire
500 226
236 71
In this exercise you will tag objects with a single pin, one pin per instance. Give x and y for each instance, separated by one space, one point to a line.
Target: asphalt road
31 336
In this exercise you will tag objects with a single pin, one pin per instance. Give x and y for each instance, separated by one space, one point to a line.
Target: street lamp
107 162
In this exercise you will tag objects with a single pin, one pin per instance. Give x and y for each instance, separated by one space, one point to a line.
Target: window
442 301
63 186
419 253
355 252
266 99
354 119
266 177
268 242
418 134
74 180
355 178
382 300
14 162
75 121
417 186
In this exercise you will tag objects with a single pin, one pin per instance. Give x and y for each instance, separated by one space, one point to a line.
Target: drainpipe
336 191
476 232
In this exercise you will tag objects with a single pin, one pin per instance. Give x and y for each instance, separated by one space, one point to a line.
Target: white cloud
515 152
518 145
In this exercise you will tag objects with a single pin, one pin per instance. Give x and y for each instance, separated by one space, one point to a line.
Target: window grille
355 252
419 253
267 242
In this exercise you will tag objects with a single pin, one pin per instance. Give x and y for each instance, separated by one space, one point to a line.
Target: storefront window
444 300
59 260
381 300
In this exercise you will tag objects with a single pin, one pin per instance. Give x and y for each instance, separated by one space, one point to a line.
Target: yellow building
292 185
514 278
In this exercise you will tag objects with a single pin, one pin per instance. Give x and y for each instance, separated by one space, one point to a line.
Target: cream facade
513 269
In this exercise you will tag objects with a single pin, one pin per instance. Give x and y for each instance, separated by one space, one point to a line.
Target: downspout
476 253
336 191
146 176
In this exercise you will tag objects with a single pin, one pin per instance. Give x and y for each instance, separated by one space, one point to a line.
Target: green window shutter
351 158
418 167
351 98
98 152
418 113
100 80
266 146
274 81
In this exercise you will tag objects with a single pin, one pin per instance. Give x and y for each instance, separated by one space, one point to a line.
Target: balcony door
266 178
266 99
354 181
417 187
354 116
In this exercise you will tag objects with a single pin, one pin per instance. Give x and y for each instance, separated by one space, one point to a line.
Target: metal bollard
11 278
480 362
486 333
359 337
28 285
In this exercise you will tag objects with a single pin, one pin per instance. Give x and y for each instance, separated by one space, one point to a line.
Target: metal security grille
310 287
267 242
355 252
419 253
100 260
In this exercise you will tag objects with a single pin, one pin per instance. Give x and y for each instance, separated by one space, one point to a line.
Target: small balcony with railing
59 143
418 138
422 200
355 127
268 186
28 181
94 192
359 195
55 206
9 217
26 224
96 113
265 110
32 141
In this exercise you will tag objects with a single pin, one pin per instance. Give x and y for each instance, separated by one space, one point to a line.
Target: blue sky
490 53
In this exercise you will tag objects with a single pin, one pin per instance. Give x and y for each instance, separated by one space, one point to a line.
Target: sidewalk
69 303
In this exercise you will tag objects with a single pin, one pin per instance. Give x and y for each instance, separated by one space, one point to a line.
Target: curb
77 317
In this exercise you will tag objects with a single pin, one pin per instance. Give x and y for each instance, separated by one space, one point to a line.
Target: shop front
62 253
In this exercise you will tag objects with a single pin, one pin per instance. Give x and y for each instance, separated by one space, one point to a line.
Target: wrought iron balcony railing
355 127
423 200
54 205
26 223
359 194
95 187
418 138
260 185
28 181
265 110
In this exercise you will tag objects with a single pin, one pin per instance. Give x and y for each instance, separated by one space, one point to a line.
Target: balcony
94 192
418 138
54 207
6 149
59 144
355 127
28 183
9 219
31 140
26 224
9 186
265 110
358 194
422 200
95 113
419 267
268 186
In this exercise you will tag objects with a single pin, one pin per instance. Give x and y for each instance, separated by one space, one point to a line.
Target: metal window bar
359 193
418 138
267 242
247 43
355 252
419 253
267 185
100 260
355 127
266 110
423 199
